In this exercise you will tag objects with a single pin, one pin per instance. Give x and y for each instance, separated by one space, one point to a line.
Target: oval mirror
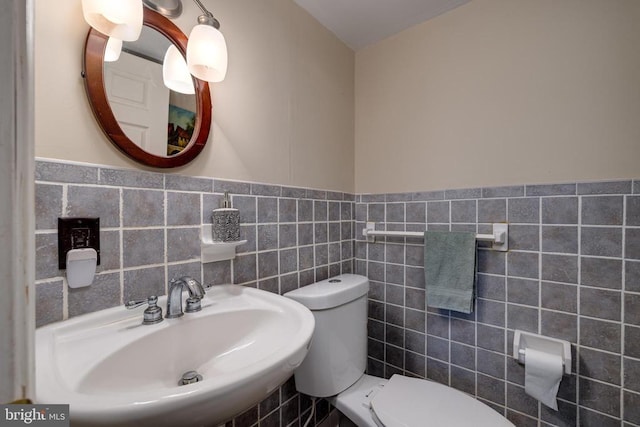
141 116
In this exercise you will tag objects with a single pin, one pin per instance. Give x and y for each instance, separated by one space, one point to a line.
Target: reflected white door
139 100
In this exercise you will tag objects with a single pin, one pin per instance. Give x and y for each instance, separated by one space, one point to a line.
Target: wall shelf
216 251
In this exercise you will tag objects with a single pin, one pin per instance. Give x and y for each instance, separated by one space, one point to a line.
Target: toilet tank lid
331 292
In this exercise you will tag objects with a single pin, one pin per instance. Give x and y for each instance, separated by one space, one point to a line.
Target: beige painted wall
501 92
284 114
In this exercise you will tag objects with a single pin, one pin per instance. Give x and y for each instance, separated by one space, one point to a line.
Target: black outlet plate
77 233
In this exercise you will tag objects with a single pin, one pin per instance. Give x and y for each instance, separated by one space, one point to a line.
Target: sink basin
114 371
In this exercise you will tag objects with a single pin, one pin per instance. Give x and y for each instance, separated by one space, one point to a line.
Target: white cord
313 408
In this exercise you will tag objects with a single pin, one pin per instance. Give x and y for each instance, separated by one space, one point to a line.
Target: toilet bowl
334 368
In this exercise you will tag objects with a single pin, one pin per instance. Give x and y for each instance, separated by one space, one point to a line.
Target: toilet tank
338 353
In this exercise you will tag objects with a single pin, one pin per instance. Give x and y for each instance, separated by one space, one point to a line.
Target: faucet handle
152 314
133 304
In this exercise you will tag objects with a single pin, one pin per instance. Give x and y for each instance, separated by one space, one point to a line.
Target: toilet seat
409 402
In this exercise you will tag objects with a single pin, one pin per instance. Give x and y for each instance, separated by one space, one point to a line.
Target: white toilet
334 368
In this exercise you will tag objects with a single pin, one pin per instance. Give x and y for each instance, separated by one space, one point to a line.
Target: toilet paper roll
542 376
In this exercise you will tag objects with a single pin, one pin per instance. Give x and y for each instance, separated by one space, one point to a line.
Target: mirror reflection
159 120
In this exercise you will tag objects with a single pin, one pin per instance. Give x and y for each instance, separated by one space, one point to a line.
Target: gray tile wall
150 233
572 272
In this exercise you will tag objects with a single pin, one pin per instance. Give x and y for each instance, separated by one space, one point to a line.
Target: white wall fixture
207 48
81 267
545 360
121 19
216 251
524 340
114 370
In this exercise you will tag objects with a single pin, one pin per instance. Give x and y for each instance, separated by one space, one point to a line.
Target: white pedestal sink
114 371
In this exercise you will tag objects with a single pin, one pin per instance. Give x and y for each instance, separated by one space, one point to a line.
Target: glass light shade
207 53
121 19
113 49
175 73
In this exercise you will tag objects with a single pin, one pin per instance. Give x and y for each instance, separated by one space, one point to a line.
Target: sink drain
190 377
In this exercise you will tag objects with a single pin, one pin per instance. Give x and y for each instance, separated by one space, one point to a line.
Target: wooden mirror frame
93 74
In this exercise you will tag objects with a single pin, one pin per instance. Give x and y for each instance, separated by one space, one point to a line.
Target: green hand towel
449 268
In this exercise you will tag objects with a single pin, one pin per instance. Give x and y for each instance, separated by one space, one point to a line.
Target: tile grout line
165 212
121 242
449 376
623 295
65 287
279 248
578 311
506 293
404 294
202 196
475 326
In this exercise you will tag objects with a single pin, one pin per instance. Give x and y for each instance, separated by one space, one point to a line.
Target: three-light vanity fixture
121 20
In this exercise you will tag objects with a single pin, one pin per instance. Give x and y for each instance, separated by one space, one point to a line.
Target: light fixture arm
207 18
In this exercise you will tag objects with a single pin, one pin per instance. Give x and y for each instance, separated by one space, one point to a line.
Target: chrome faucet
174 299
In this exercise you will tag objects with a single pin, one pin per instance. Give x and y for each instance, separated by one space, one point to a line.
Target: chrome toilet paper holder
523 340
